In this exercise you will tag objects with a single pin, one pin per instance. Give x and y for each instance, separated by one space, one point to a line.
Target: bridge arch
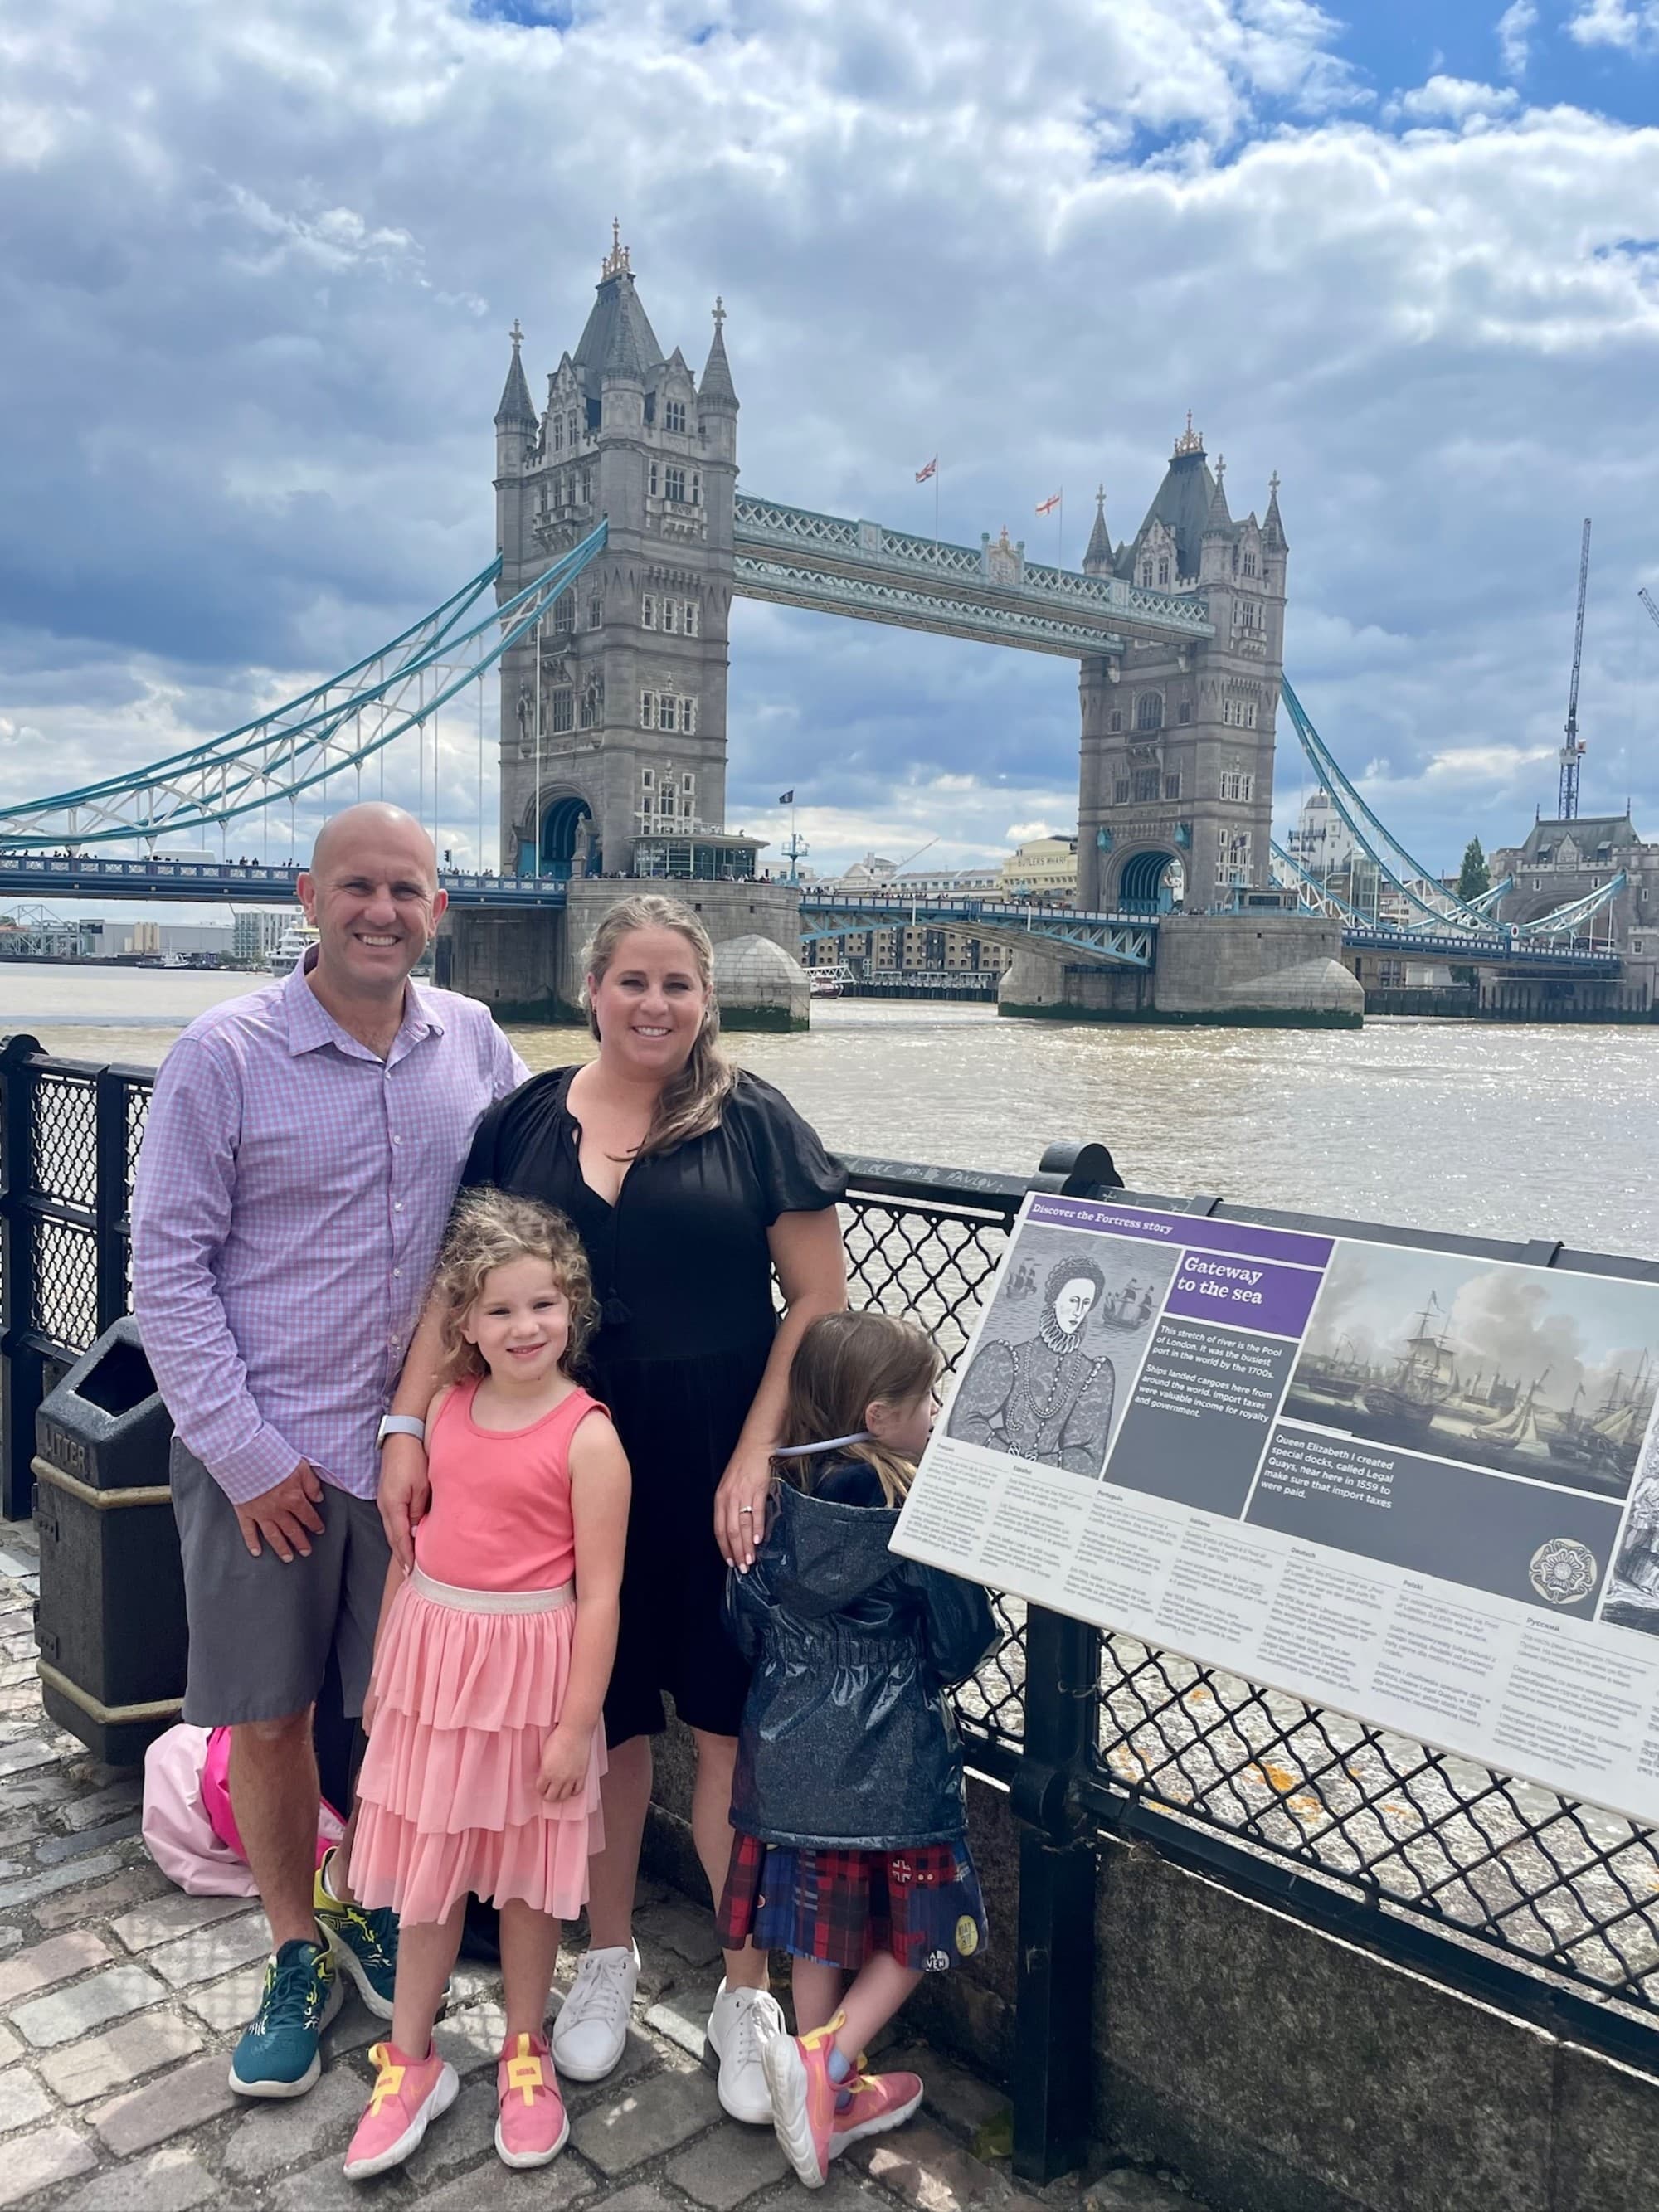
568 832
1151 881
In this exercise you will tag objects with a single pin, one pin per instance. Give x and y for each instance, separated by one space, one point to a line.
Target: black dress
683 1275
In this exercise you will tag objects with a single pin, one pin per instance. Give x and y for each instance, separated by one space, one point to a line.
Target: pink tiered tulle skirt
465 1696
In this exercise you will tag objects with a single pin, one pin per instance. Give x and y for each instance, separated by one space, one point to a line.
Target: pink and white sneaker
804 2098
881 2101
530 2125
408 2095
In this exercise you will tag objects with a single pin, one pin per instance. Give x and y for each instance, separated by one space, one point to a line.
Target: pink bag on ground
188 1825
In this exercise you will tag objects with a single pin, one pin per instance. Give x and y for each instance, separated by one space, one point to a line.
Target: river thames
1458 1126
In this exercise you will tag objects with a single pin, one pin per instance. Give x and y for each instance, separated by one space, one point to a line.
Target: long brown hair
690 1102
489 1229
844 1363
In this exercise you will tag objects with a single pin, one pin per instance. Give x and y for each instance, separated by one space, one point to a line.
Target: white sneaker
591 2028
742 2024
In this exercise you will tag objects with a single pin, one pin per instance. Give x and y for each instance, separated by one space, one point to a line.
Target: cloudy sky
258 264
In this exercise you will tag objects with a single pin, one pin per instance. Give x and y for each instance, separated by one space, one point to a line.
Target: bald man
302 1151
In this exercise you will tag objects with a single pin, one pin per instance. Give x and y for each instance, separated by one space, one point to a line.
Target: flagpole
936 499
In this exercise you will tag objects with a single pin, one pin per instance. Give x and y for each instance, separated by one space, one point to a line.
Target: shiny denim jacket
847 1741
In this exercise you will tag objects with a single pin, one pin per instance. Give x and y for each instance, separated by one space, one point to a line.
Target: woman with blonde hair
691 1183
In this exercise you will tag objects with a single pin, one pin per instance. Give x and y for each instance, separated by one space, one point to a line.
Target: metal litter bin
111 1615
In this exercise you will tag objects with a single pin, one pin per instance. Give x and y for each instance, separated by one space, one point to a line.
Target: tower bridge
623 540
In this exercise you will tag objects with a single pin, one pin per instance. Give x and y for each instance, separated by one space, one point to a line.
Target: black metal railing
1543 1906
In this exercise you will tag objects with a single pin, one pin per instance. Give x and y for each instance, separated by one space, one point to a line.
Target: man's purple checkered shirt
290 1199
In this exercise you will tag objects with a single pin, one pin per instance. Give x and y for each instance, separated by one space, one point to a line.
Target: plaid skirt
922 1905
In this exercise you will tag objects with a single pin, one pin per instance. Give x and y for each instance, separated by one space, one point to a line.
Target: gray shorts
260 1630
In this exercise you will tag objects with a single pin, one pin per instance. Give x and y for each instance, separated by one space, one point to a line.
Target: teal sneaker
277 2054
364 1944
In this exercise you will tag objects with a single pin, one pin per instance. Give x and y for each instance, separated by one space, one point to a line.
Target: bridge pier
524 962
1257 970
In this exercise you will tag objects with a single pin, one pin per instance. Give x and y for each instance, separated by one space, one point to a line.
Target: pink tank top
500 1518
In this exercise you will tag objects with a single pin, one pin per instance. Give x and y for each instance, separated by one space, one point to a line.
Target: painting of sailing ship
1632 1600
1523 1370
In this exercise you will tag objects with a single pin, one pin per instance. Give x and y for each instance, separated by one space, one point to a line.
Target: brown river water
1503 1131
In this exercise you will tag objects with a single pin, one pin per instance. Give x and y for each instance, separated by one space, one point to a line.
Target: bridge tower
1175 798
613 723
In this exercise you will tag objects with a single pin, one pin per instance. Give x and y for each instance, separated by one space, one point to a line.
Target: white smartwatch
400 1425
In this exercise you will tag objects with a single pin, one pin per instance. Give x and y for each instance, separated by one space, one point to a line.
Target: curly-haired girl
485 1744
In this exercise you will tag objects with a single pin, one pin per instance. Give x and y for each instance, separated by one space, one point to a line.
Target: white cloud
258 265
1515 29
1631 24
1455 100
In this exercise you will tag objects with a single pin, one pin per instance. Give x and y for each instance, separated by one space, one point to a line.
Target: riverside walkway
120 1998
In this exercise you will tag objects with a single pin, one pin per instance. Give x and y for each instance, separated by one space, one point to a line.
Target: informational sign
1420 1487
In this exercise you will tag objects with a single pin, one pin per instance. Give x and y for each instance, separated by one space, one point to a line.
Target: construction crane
1573 752
1645 597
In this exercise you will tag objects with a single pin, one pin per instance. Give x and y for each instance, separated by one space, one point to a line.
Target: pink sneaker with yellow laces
804 2098
530 2125
881 2101
408 2095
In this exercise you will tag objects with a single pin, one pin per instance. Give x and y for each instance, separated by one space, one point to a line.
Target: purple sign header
1244 1239
1244 1293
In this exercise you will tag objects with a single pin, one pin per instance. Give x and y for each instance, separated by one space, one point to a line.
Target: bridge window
558 433
696 488
564 611
1232 860
648 613
596 611
689 622
671 616
1121 792
673 483
1115 720
648 777
1172 786
654 480
673 417
564 710
591 712
1249 564
1164 570
570 428
1146 783
1237 784
1146 574
647 710
1184 713
1149 711
587 487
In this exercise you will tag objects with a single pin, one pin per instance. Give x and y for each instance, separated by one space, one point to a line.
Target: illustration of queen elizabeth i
1047 1399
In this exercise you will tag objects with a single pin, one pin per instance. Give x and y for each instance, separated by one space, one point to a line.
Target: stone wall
524 962
1277 2069
1275 971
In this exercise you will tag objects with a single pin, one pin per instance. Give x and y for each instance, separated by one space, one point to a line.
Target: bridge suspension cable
335 725
1419 886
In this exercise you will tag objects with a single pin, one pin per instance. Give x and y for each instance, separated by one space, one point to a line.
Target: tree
1474 876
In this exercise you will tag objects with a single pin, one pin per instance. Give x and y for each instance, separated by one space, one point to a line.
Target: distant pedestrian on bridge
302 1155
688 1181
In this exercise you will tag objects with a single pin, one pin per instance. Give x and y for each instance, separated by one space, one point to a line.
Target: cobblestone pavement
120 1999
